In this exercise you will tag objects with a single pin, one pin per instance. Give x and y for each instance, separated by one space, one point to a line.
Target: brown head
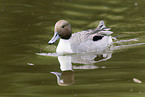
62 29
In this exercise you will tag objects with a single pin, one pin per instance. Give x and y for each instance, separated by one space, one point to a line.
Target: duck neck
63 47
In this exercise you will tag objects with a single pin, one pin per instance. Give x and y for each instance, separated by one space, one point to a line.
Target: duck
92 40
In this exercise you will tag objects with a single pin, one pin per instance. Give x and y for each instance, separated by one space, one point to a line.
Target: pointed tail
102 29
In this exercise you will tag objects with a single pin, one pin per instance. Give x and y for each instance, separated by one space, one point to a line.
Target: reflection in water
89 58
65 63
66 77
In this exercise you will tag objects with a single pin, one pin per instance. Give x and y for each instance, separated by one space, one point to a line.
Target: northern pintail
92 40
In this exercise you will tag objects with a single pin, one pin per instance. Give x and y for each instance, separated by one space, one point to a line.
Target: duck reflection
89 58
66 76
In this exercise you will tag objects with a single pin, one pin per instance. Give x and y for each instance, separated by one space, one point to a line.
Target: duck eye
63 26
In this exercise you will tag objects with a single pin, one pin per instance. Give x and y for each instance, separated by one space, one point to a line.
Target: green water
27 25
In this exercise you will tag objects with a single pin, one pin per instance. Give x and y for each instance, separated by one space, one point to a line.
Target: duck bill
54 38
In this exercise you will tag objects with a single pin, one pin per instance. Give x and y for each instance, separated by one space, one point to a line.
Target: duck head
62 30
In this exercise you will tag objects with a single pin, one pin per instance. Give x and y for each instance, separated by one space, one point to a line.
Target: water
26 27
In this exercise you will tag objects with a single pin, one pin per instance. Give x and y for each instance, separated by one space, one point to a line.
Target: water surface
26 27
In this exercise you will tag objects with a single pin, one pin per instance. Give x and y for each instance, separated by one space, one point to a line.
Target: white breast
63 47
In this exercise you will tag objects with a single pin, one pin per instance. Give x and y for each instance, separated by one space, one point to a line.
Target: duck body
81 42
92 40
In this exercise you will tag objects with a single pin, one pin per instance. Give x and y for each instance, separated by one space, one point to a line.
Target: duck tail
101 25
102 29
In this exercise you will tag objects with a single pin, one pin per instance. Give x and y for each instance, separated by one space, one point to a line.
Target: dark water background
27 25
